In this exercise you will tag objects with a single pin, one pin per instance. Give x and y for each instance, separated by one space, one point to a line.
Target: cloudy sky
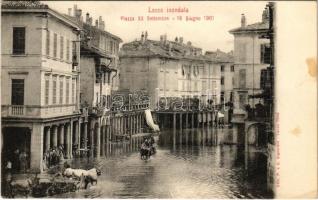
209 35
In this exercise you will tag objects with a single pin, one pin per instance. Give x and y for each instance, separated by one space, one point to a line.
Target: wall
87 79
35 63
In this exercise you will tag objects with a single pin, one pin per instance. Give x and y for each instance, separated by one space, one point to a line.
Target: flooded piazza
189 164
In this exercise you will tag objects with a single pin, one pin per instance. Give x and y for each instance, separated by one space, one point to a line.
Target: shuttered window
67 91
55 45
48 43
62 47
47 90
17 92
18 40
265 53
61 90
67 49
54 90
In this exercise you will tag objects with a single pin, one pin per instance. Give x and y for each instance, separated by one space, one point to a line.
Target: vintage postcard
159 99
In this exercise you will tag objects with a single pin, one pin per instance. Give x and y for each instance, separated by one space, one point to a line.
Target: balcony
35 111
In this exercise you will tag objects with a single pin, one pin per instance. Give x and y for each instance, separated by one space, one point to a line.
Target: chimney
74 10
170 46
79 13
161 38
96 23
146 36
176 39
142 37
91 21
180 40
100 22
243 21
102 25
69 12
265 15
87 18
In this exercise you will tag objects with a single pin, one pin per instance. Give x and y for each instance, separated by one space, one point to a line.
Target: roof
86 26
23 5
34 6
259 26
167 49
220 56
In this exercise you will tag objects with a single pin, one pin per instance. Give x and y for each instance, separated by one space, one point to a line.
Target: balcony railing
35 111
17 110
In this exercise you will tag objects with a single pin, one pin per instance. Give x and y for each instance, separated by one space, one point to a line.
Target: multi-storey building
99 77
39 82
227 79
169 69
251 56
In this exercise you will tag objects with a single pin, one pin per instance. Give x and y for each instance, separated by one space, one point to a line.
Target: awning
150 122
220 115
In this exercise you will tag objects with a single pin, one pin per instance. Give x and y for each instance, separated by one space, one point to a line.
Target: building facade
227 69
251 56
170 69
40 82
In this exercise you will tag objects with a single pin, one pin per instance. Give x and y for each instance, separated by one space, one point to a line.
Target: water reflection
188 164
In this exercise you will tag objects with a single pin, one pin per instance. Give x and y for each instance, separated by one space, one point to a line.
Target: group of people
18 162
53 156
147 148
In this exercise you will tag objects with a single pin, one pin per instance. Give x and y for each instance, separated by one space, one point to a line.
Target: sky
206 34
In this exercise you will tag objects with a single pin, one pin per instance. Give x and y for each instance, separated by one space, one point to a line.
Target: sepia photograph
142 99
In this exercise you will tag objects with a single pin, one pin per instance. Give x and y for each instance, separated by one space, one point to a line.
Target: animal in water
88 176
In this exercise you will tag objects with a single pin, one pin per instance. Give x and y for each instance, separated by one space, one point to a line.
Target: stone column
174 130
85 135
61 134
207 119
54 136
36 151
187 120
92 128
202 117
76 133
79 134
68 133
47 138
180 122
192 121
198 121
98 141
125 124
71 139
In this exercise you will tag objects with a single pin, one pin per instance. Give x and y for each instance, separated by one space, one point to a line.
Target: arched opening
16 148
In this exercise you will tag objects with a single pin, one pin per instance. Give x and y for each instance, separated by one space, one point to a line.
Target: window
242 78
222 68
232 68
265 53
17 92
61 90
242 101
55 45
47 87
73 90
222 80
67 91
232 81
18 40
48 43
67 49
54 90
62 47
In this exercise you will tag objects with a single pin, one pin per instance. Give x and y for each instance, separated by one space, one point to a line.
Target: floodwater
191 164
